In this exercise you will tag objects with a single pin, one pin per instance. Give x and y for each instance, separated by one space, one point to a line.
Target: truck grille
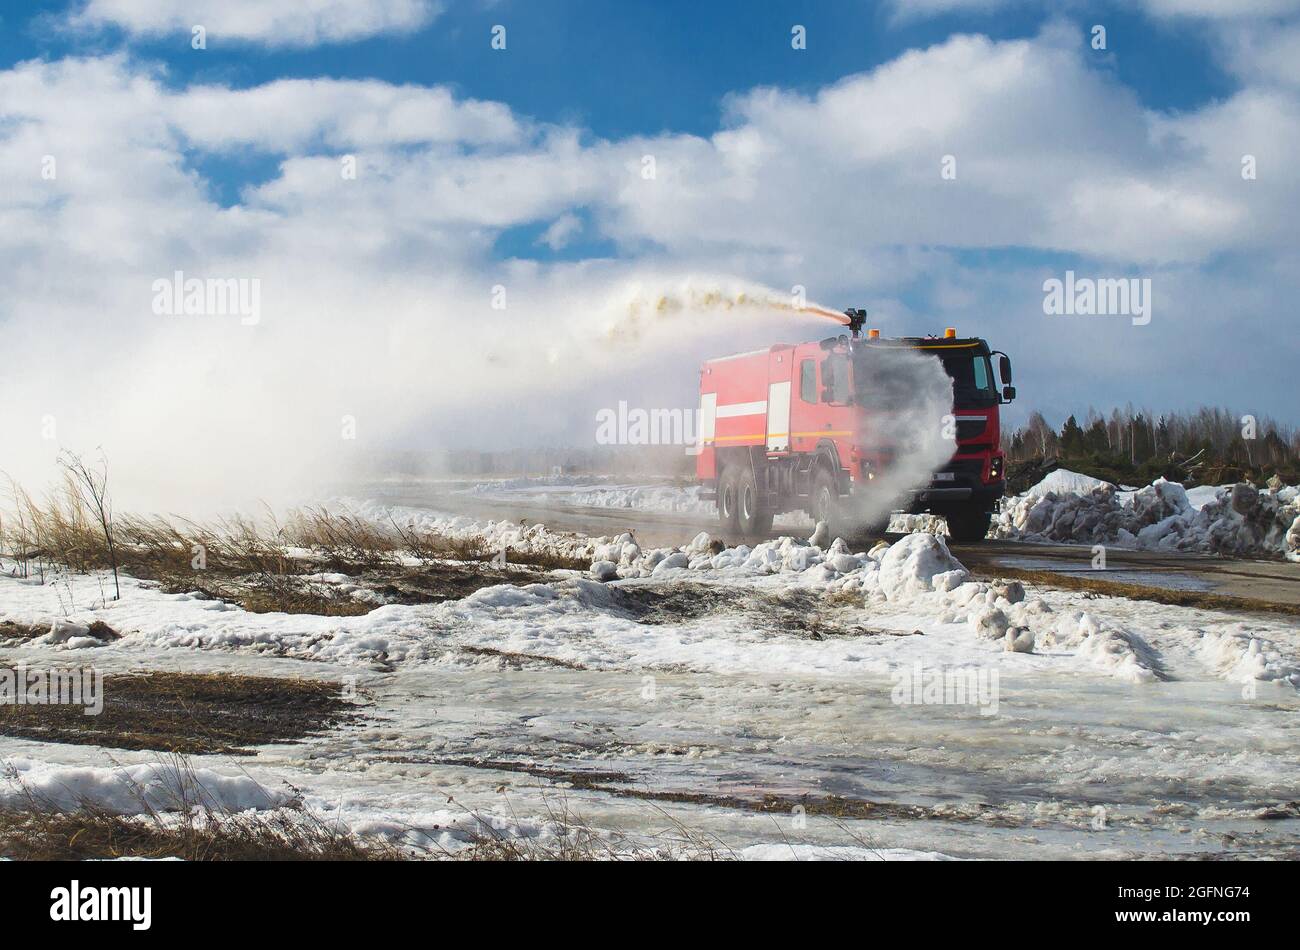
971 430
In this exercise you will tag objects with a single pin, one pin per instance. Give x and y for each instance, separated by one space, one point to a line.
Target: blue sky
776 168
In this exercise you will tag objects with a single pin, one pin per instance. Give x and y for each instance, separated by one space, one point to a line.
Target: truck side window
835 379
808 381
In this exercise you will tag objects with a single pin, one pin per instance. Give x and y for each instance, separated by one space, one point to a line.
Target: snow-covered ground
1237 520
884 704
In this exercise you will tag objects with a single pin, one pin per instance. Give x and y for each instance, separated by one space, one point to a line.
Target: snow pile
1240 656
1240 520
135 789
917 564
1062 481
1001 613
69 635
920 573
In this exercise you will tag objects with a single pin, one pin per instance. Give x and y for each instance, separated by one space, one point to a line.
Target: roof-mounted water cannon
857 318
851 318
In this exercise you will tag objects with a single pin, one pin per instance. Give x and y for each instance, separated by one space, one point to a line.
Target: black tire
824 504
754 521
968 526
728 502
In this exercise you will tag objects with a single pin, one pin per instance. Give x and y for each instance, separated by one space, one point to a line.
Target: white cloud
268 22
1258 54
1048 152
303 114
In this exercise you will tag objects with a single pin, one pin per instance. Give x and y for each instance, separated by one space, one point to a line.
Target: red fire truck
787 428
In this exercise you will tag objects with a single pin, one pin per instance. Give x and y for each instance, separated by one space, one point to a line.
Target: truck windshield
888 384
972 381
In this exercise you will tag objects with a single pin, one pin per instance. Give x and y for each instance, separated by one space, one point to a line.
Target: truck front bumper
959 484
938 498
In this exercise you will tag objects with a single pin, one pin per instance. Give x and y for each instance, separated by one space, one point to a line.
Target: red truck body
785 429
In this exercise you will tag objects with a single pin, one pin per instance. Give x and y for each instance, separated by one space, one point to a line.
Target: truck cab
965 490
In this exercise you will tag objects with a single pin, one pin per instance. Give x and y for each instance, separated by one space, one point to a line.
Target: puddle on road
1166 580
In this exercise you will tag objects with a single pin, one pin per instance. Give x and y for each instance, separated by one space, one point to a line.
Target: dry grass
429 547
342 542
547 560
10 631
259 564
94 834
57 531
188 713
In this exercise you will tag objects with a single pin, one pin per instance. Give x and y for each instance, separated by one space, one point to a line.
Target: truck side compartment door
778 402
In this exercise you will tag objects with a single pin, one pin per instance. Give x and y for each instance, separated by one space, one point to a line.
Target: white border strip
742 409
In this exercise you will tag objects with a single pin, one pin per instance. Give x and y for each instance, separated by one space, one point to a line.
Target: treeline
1206 446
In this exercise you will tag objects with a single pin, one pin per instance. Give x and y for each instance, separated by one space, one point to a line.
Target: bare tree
93 486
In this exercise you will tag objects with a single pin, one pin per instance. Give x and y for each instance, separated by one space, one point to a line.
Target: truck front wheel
968 525
825 500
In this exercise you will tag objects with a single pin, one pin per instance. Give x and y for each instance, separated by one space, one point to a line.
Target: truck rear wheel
752 519
728 499
968 525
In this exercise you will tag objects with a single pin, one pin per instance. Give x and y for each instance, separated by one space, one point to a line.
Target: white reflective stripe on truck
741 409
778 417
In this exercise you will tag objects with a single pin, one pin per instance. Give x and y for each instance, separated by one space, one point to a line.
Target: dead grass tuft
188 713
